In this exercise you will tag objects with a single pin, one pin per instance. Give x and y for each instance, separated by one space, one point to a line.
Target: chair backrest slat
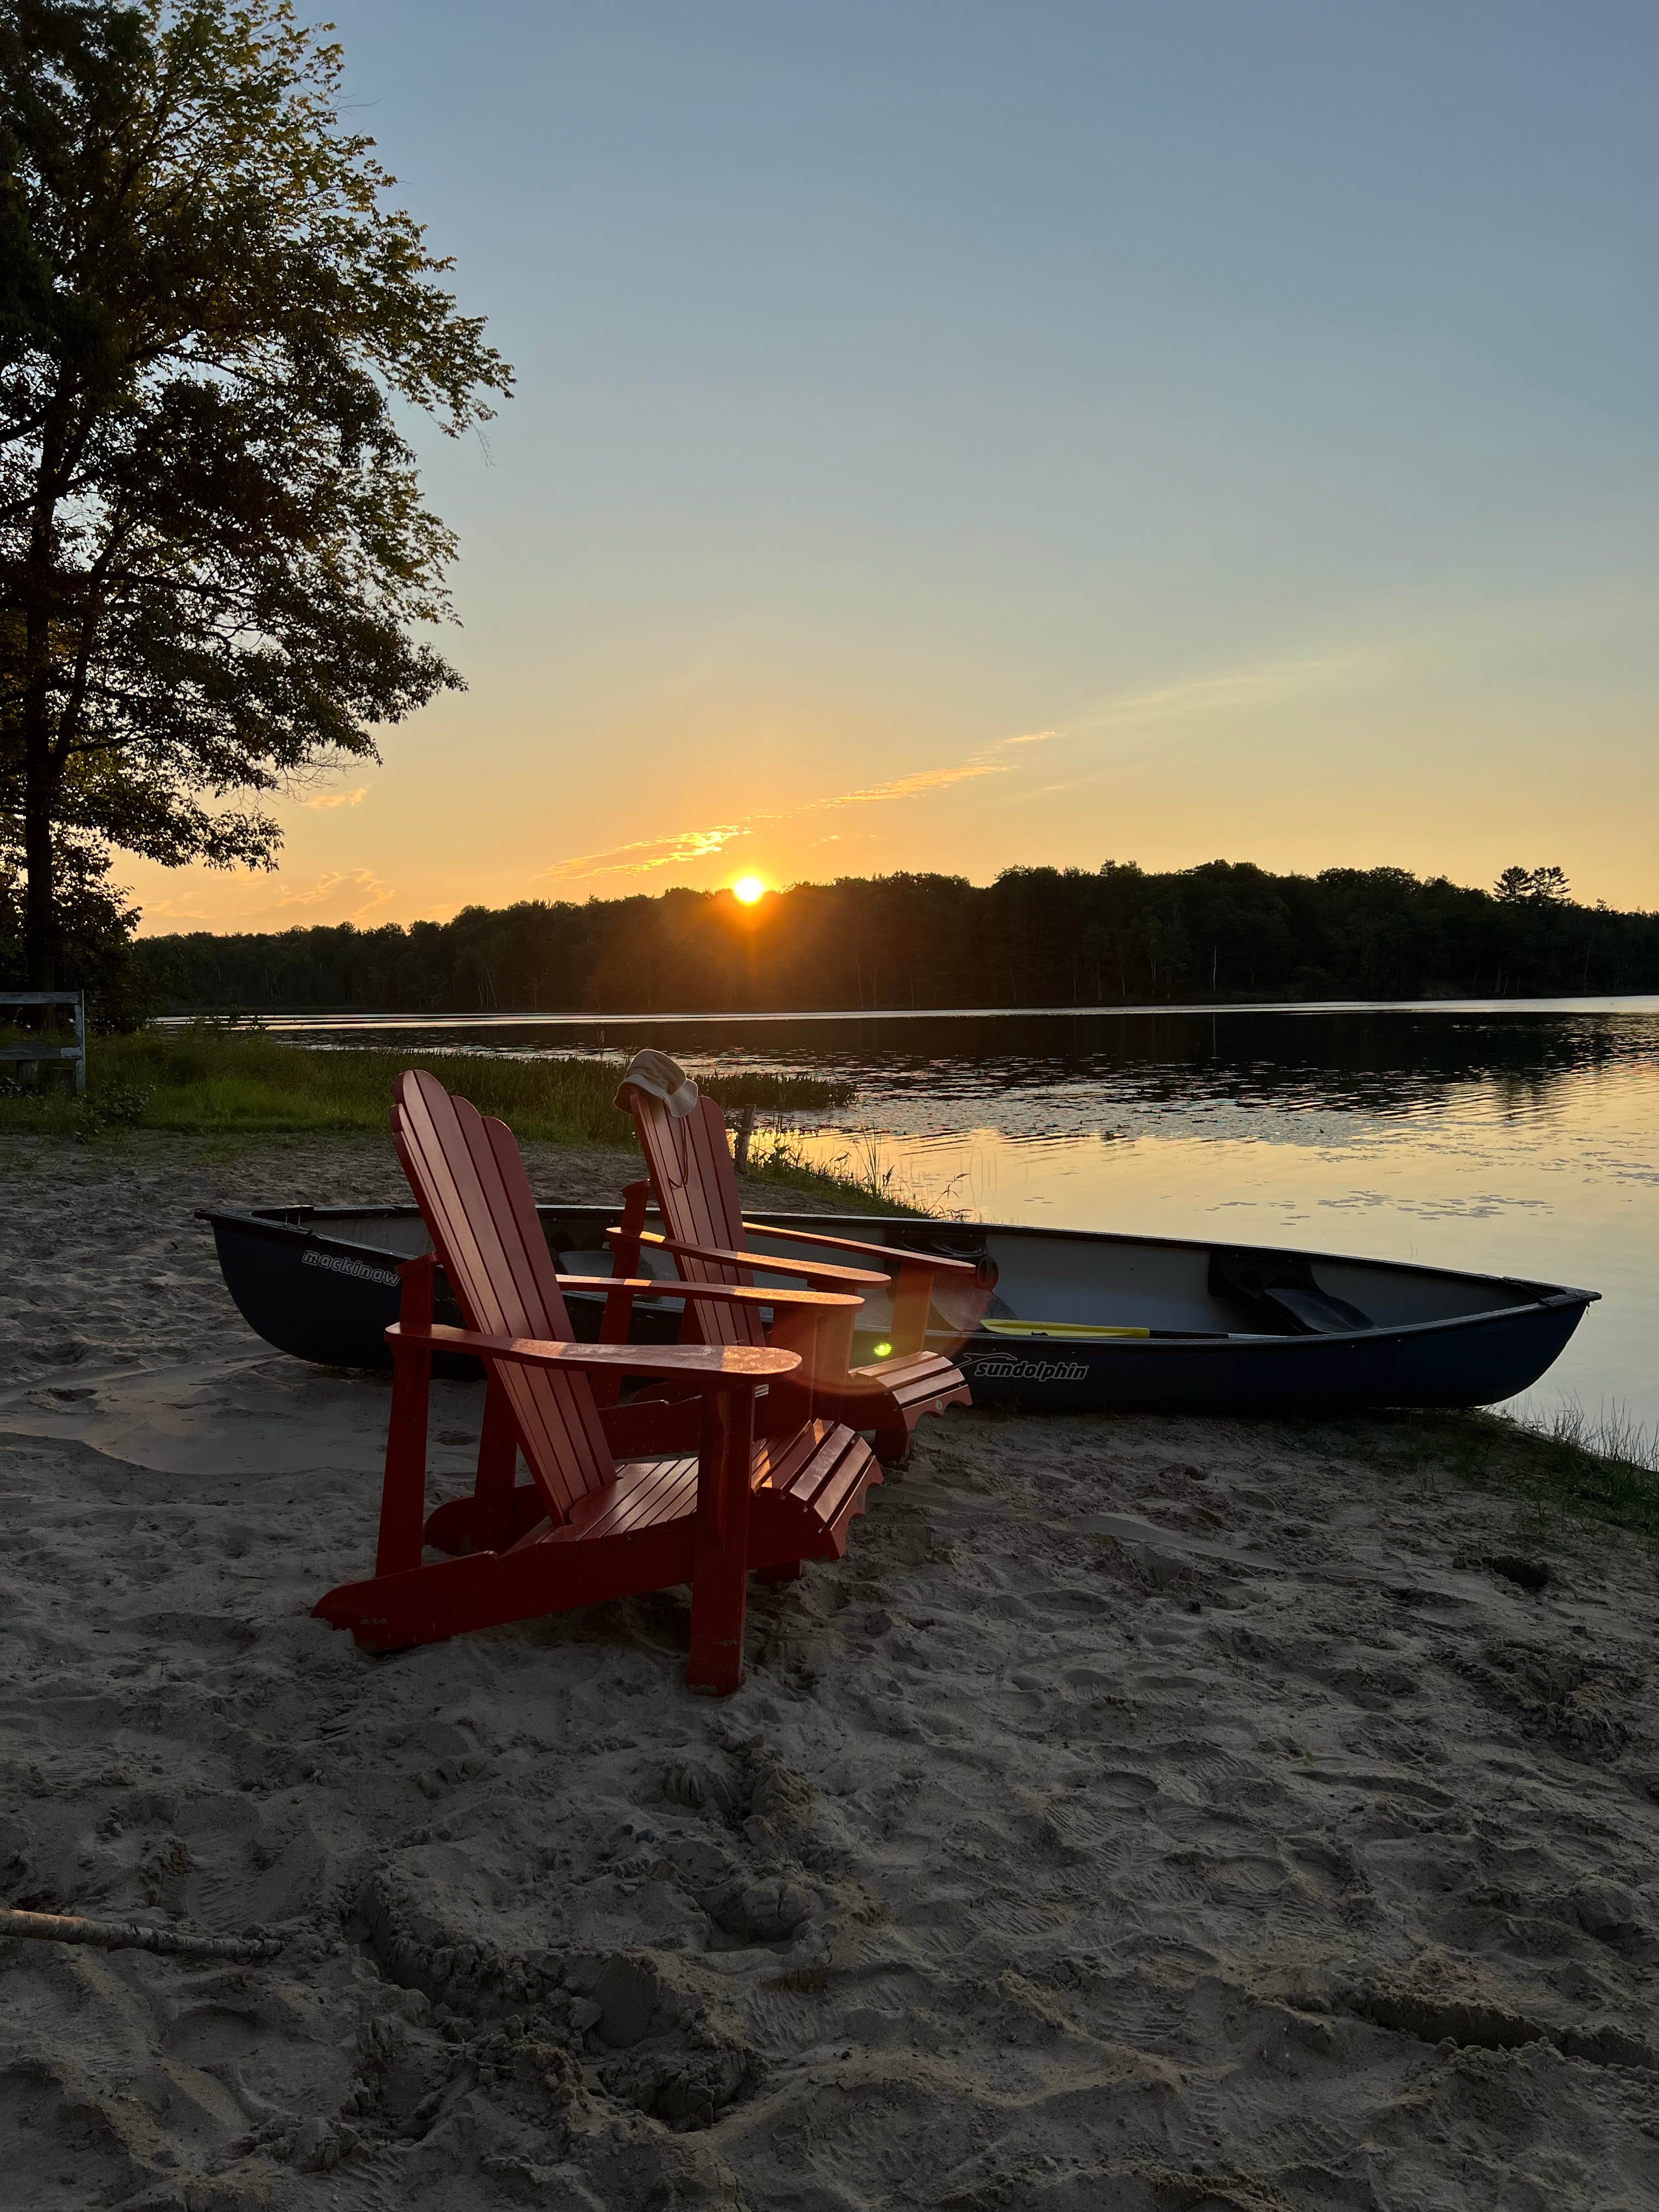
578 1405
696 1186
476 1200
710 1169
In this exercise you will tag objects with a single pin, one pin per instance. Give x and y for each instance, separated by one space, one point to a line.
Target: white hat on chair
658 1077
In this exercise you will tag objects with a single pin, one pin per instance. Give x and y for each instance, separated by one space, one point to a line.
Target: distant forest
1036 937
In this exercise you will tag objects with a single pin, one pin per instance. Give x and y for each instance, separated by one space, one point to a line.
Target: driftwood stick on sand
129 1936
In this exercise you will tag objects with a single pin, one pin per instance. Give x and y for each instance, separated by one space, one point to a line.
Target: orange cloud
362 890
652 853
174 910
908 786
327 800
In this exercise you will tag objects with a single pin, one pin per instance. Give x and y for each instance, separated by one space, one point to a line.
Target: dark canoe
1207 1329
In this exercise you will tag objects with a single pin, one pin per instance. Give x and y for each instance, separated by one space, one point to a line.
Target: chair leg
720 1558
402 1491
789 1570
788 1403
720 1606
619 1321
913 1298
498 1469
891 1445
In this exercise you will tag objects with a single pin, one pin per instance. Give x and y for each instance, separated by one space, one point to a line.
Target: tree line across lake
1036 936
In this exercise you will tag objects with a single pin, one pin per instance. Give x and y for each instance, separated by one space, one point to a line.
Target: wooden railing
34 1054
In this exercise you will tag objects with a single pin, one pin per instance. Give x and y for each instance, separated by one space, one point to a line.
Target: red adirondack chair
697 1191
585 1528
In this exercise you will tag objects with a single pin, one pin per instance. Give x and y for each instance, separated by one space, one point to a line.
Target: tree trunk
40 770
40 903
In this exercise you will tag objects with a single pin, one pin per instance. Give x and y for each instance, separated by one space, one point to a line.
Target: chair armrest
716 1367
897 1253
850 1277
735 1294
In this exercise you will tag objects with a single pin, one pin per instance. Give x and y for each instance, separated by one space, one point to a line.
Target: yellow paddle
1083 1329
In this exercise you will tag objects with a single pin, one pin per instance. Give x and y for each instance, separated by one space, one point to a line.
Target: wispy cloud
358 889
1215 695
1188 707
928 779
173 910
324 801
645 855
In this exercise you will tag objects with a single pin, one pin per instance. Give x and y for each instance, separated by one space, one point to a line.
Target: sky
956 436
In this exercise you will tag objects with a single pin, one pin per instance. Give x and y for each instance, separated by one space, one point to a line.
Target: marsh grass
1557 1463
210 1080
787 1165
859 1169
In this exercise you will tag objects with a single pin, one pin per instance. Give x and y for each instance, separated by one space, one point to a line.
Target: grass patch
854 1180
1565 1465
209 1080
858 1171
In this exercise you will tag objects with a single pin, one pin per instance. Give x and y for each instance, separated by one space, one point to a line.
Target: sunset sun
747 888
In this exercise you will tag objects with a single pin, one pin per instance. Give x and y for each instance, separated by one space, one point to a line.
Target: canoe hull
322 1283
323 1296
1472 1363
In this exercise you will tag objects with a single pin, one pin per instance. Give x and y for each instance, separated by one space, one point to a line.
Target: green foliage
111 1106
1037 937
214 561
209 1077
94 925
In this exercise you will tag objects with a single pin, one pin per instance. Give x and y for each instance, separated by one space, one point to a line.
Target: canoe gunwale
1236 1340
284 1222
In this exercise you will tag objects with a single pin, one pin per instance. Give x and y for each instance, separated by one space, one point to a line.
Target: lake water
1510 1137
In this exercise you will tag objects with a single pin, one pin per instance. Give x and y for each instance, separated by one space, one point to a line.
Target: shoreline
1145 1811
1561 1001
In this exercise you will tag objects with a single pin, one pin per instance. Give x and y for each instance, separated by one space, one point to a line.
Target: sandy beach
1145 1813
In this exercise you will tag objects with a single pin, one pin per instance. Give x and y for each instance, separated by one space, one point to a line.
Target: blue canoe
1077 1321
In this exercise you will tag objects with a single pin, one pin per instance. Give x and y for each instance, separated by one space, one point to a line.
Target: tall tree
214 564
1536 886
